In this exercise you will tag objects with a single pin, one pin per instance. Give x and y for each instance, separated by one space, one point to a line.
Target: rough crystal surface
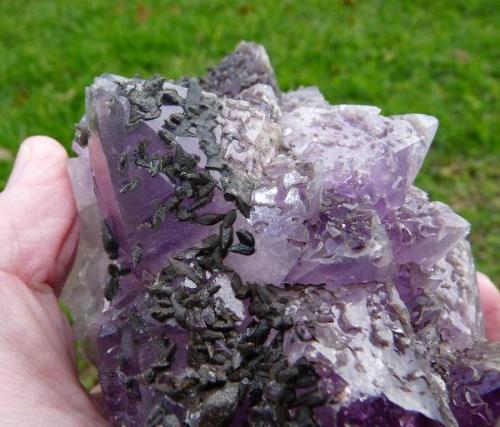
256 258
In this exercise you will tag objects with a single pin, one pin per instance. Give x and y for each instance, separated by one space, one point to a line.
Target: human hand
490 301
38 238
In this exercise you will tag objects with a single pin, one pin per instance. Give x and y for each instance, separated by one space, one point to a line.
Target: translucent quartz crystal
256 258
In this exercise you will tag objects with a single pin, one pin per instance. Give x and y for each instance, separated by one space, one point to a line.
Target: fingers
490 301
38 221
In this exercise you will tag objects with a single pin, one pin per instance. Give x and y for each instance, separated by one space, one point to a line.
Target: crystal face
256 258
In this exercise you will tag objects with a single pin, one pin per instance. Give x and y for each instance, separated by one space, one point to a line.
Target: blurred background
436 57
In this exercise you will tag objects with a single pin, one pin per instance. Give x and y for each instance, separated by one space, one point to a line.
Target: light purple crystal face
266 261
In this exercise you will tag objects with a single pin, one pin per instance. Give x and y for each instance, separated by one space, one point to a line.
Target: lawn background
435 57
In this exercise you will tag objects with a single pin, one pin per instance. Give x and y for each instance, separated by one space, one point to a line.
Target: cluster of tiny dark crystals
230 368
236 73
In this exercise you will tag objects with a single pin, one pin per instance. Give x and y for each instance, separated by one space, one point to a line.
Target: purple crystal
268 262
474 386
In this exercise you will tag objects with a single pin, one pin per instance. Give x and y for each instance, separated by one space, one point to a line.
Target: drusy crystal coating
256 258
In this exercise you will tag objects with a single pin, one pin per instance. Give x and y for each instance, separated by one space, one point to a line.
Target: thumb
39 159
38 222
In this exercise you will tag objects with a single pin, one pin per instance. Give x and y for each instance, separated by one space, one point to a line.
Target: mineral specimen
266 261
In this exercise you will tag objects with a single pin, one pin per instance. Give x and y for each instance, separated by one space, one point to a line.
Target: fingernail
484 278
22 161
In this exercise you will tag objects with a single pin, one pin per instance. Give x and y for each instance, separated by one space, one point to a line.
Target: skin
38 238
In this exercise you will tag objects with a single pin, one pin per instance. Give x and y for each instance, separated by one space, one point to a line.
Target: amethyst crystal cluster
268 261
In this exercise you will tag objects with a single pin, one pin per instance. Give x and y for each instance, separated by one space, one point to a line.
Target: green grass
436 57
